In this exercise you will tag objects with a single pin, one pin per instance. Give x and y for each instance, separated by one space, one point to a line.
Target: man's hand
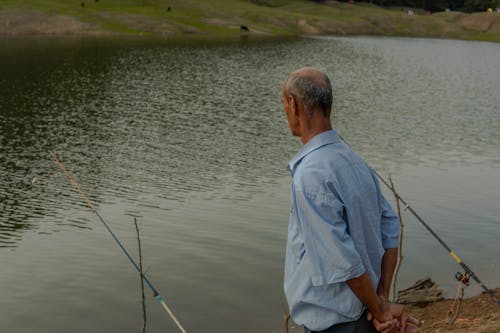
386 317
399 321
389 320
411 323
410 326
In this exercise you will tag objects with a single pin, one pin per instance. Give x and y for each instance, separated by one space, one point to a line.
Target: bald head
312 88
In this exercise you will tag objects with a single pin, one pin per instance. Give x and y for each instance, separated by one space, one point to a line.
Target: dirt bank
478 314
23 22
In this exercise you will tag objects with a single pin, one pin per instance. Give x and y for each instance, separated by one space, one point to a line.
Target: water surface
192 141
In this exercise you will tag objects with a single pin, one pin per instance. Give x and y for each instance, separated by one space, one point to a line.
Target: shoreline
478 314
226 24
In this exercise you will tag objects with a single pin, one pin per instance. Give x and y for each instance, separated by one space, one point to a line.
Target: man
342 234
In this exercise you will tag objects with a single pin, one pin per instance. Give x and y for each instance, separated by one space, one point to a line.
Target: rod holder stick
124 250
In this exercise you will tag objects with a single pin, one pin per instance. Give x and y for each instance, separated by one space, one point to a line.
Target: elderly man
342 234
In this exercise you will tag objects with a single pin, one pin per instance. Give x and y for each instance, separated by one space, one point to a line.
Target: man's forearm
362 286
389 261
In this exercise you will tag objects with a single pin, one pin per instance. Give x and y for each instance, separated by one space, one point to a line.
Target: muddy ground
478 314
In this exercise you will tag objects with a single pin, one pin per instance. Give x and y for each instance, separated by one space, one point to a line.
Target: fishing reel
463 277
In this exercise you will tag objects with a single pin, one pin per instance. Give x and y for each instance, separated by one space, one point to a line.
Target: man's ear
294 107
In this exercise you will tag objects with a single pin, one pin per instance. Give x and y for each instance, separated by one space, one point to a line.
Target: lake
192 141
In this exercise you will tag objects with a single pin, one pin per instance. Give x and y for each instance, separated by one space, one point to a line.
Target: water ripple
163 121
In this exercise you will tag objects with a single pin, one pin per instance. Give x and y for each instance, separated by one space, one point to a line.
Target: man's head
307 100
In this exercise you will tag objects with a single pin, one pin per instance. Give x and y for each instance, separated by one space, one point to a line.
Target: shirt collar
320 140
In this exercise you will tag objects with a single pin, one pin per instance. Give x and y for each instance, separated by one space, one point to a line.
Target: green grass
221 18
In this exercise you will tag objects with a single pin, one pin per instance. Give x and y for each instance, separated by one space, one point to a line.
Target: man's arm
390 229
389 261
363 288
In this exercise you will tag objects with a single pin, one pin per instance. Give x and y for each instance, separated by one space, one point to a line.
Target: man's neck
316 126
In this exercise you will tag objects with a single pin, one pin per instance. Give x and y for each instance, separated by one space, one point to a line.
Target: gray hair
313 94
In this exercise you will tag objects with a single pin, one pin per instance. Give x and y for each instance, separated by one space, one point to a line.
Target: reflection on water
192 139
163 121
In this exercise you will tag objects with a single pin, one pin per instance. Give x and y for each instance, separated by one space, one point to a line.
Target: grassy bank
223 18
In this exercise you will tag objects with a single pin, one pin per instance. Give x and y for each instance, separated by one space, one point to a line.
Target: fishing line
92 208
450 251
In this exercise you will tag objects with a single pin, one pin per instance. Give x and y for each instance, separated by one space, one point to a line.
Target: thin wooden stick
286 316
286 320
118 242
142 278
400 246
457 304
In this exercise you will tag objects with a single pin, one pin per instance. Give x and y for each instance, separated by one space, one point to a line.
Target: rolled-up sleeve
328 245
389 226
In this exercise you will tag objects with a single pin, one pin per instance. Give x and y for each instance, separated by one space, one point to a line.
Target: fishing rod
156 294
464 278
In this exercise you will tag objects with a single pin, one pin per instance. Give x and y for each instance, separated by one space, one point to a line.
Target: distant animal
83 4
96 1
244 28
168 9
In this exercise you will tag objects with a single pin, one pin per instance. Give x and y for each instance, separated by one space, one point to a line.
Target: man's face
289 111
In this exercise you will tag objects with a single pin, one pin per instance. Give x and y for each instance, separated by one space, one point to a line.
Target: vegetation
225 18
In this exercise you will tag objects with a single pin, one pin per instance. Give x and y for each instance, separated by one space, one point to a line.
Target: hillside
222 19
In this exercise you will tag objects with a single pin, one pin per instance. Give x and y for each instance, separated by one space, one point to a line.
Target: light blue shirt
340 225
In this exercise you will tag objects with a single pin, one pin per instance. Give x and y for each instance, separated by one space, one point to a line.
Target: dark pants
362 325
